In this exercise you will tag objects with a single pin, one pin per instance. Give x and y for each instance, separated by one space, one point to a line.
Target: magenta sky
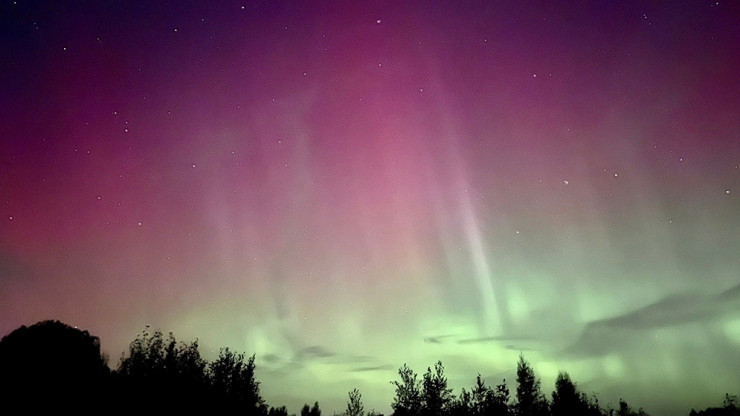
344 188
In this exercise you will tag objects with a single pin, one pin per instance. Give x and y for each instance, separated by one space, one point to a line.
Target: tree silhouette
170 375
190 367
730 403
729 408
311 411
564 397
408 400
530 400
354 404
566 400
185 374
436 397
233 380
489 402
46 364
462 405
278 411
315 411
146 357
625 410
500 401
482 400
173 376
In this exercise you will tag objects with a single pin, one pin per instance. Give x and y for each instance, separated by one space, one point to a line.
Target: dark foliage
278 411
354 404
234 383
431 397
566 400
56 362
488 401
171 376
436 397
625 410
408 399
530 400
482 400
311 411
729 408
164 375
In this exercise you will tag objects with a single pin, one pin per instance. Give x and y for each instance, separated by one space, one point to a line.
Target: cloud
669 311
271 358
481 340
606 335
384 367
730 296
314 351
440 339
351 363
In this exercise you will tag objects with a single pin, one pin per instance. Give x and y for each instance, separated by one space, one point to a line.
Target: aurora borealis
344 187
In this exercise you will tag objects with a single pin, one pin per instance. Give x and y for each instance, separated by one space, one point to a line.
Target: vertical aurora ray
495 314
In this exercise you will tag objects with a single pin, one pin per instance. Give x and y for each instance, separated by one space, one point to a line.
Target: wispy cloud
439 339
314 351
271 358
669 311
731 296
604 335
384 367
481 340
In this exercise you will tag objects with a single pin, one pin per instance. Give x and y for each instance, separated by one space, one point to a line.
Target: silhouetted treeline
430 396
51 367
729 408
170 373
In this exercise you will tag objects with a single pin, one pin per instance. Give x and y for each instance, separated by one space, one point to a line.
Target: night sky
342 188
